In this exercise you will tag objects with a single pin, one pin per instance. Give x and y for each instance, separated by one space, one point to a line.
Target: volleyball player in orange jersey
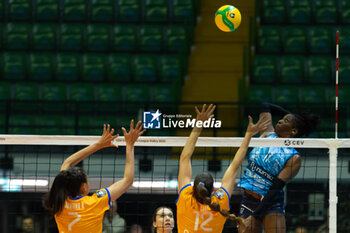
67 199
198 208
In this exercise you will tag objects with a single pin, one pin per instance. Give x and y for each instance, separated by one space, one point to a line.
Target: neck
164 230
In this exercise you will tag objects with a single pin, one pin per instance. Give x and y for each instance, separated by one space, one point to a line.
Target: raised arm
185 170
104 141
119 187
267 111
228 180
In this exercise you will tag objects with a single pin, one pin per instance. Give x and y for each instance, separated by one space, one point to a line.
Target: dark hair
306 123
155 215
202 188
67 182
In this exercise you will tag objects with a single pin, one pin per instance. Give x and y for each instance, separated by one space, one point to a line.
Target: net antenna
336 85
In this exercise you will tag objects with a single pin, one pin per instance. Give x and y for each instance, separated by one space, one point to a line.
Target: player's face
164 219
285 127
27 225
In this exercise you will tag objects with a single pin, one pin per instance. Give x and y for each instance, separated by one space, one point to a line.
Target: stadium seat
18 35
344 38
93 67
19 10
5 91
177 39
344 11
102 10
294 39
320 40
109 93
26 91
319 69
2 124
264 69
47 10
83 94
156 10
129 11
44 37
259 93
183 11
54 95
326 11
136 93
93 125
15 66
171 68
124 37
49 124
300 11
312 94
1 35
344 69
274 11
71 37
40 66
292 69
286 94
151 38
119 67
22 124
269 40
145 68
98 37
74 10
67 67
344 94
330 94
165 93
1 10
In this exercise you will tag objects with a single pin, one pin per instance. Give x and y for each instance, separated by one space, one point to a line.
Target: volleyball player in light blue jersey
268 170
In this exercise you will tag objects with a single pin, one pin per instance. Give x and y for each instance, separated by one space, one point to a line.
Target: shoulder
186 189
101 193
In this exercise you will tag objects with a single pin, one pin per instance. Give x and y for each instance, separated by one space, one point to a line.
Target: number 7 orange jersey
84 213
193 216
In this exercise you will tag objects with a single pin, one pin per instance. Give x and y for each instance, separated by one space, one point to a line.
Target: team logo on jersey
101 193
219 194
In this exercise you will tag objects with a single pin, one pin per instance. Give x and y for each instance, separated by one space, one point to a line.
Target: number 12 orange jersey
193 216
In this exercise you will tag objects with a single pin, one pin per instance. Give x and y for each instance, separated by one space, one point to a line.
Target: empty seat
320 40
102 10
344 11
136 93
22 124
93 67
294 39
15 66
165 93
67 67
183 11
19 10
145 68
74 10
52 91
40 66
300 11
18 35
93 125
44 37
344 38
124 37
156 10
129 10
71 37
319 69
110 97
47 10
344 94
5 91
326 11
286 94
82 92
1 34
274 11
264 69
49 124
312 94
151 38
98 37
177 39
292 69
344 69
259 93
171 68
119 67
269 40
2 124
1 10
26 91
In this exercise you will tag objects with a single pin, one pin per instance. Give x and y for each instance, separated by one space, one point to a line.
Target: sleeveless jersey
264 163
193 216
84 213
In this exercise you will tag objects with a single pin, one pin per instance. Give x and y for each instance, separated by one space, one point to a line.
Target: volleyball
228 18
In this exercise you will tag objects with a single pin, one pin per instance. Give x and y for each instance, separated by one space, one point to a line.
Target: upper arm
118 188
270 128
185 172
291 168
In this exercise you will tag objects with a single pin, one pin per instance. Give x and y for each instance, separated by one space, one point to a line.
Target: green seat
344 69
18 35
344 94
129 10
1 10
22 124
183 11
98 37
53 91
344 39
102 10
109 94
2 124
47 10
5 91
326 11
74 10
312 94
49 124
151 38
264 69
320 40
330 94
177 39
171 68
292 69
71 37
274 11
269 39
19 10
93 67
136 93
40 66
156 10
259 93
26 91
119 67
1 34
294 39
300 11
44 37
165 93
344 11
67 67
82 92
145 68
93 125
319 69
15 66
286 94
124 37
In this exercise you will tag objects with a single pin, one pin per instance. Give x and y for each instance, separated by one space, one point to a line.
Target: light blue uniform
264 164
